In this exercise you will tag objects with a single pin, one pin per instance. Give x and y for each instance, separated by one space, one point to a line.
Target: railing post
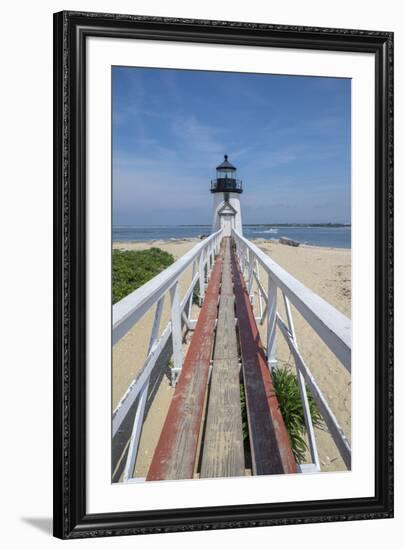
210 260
303 392
139 415
201 279
176 333
191 298
244 262
257 267
242 258
250 275
271 324
239 255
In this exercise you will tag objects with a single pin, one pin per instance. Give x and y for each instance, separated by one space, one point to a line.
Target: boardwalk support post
176 333
271 324
303 392
191 296
250 276
201 278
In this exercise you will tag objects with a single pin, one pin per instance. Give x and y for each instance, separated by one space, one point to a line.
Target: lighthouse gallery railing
128 311
332 327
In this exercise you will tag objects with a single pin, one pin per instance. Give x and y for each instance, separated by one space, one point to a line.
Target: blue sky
288 136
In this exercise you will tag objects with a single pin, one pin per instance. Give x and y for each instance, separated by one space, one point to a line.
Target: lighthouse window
226 174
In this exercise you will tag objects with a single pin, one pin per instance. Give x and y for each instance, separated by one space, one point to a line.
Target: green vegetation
195 294
243 413
287 391
244 421
132 268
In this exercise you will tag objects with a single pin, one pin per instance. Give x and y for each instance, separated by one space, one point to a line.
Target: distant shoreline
333 225
325 236
134 244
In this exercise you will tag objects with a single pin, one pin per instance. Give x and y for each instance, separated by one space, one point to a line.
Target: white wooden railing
128 311
332 327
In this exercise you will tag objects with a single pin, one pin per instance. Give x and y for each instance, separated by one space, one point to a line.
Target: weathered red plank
175 454
270 447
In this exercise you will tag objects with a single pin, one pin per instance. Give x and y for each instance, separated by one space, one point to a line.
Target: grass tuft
287 391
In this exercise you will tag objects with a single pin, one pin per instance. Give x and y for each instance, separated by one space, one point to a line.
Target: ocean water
336 237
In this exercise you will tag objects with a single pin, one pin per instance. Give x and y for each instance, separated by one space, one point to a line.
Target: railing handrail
130 309
333 327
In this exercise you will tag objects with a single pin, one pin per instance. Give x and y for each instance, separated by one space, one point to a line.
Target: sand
326 271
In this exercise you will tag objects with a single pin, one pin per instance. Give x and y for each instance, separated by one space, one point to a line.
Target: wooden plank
226 338
223 450
271 452
176 451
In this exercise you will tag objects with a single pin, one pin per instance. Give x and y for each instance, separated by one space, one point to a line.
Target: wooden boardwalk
218 439
176 452
223 451
270 448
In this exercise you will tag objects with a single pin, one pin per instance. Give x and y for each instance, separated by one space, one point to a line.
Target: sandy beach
326 271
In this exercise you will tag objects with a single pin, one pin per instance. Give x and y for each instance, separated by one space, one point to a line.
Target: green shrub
287 392
133 268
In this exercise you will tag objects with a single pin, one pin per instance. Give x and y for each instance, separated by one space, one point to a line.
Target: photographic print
231 274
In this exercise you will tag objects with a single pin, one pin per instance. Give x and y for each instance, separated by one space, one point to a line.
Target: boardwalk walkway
203 428
176 452
208 432
223 451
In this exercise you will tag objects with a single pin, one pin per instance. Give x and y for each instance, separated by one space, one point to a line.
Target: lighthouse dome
225 165
226 178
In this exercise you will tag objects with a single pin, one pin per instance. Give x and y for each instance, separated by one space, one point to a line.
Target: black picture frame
71 29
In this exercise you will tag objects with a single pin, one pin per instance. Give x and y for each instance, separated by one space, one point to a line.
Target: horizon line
314 224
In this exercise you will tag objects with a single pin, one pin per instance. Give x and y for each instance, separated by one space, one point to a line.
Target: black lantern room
226 179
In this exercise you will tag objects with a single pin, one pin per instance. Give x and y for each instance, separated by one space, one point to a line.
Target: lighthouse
226 191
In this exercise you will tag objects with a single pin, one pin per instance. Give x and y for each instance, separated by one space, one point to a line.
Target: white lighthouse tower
226 191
